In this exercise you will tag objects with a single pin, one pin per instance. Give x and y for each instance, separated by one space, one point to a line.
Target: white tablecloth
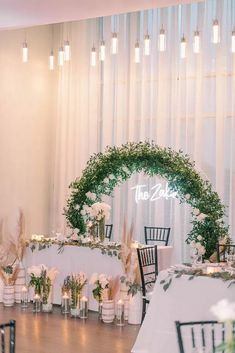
185 300
75 259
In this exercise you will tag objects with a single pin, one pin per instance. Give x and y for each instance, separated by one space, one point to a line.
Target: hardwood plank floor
56 333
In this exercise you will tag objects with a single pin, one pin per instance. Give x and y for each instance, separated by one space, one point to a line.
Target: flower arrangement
42 279
129 260
76 283
224 311
101 285
106 170
96 215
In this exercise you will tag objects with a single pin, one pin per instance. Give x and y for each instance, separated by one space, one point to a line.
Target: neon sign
156 192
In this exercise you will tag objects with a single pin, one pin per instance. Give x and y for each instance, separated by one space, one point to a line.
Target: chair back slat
224 250
156 234
148 264
11 325
200 336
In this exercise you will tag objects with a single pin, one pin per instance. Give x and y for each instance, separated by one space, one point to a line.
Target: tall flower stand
47 305
108 313
135 309
8 295
19 283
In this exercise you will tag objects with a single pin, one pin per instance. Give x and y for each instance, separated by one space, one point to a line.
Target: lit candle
126 309
83 308
65 303
212 269
120 313
24 297
36 303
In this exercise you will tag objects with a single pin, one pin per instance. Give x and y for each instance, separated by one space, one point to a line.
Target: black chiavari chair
108 231
7 334
223 250
157 234
200 336
148 264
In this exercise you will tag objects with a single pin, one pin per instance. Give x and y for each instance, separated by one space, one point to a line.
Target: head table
184 300
75 259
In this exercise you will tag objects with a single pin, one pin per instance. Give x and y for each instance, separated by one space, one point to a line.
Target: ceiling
26 13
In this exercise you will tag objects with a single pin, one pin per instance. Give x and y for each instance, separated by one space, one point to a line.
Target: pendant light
137 52
147 45
162 40
51 61
215 32
102 50
183 45
61 56
196 42
25 52
114 43
93 56
66 51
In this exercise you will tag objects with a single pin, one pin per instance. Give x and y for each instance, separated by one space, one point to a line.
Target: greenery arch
106 170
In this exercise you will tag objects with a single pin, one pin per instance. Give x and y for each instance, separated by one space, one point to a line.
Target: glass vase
47 301
75 303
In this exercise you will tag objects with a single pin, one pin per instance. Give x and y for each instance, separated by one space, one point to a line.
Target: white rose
83 212
125 169
223 310
199 237
196 211
201 216
77 207
94 278
187 196
106 181
111 177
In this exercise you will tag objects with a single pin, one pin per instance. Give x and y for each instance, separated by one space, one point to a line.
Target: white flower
91 195
201 216
193 244
94 278
83 212
126 170
52 273
199 237
106 180
76 230
200 248
187 196
223 310
77 207
74 237
36 270
111 177
196 211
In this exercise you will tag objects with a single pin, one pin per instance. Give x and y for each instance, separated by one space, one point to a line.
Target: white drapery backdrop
186 104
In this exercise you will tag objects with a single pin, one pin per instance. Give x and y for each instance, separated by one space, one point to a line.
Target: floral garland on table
106 170
40 243
192 272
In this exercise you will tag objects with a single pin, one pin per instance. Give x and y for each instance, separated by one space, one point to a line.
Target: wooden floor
55 333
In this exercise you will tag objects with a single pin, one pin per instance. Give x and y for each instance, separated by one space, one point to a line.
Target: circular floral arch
106 170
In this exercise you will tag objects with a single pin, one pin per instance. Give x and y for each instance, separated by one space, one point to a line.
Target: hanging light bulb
93 57
183 45
147 45
196 42
215 32
25 53
162 40
61 56
114 43
66 51
102 50
137 53
51 61
233 41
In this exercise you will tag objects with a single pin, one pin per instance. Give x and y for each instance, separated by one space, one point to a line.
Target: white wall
26 127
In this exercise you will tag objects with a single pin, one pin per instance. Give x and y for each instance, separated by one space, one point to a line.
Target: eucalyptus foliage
105 171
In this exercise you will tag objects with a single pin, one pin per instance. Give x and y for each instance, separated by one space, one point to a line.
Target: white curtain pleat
186 104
